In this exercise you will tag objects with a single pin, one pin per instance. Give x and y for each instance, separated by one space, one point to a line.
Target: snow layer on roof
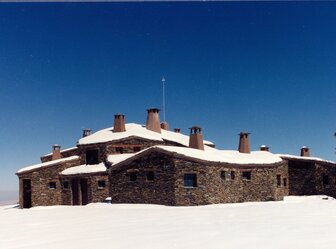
305 158
65 150
54 162
85 169
225 156
136 130
95 168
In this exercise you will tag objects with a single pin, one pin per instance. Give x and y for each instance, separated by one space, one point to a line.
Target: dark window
150 175
133 176
246 175
232 175
136 148
92 157
190 180
65 185
325 179
120 150
222 174
285 182
278 180
101 184
52 185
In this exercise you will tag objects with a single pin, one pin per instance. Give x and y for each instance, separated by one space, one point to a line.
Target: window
190 180
136 148
92 157
52 185
278 177
101 184
325 179
232 175
246 175
133 176
65 185
222 175
150 175
120 150
285 182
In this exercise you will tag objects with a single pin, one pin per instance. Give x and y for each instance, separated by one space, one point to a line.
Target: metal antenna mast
163 99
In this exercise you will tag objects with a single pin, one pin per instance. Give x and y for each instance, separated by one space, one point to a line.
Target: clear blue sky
264 67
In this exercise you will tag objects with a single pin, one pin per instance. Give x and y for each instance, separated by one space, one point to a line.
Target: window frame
247 177
192 180
99 184
52 185
150 173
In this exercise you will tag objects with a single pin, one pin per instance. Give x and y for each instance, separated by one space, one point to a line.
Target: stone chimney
305 151
56 152
87 132
264 148
165 126
196 138
177 130
119 123
244 145
153 120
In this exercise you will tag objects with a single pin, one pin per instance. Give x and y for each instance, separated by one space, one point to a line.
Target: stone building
132 163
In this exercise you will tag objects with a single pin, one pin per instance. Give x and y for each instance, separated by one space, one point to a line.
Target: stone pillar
244 145
87 132
196 138
119 123
153 120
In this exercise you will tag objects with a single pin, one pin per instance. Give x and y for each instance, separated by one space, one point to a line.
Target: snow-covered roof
221 156
136 130
95 168
54 162
305 158
65 150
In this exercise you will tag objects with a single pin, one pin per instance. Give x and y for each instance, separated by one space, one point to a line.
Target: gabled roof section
304 158
136 130
210 155
65 150
46 164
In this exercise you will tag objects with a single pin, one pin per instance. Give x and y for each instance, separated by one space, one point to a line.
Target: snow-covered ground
297 222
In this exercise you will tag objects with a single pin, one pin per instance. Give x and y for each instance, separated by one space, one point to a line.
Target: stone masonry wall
213 188
158 191
41 194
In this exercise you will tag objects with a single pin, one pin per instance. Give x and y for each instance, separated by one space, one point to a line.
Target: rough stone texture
158 191
306 177
168 187
95 194
64 154
41 195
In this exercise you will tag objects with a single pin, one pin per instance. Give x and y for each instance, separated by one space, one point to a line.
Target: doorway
26 193
75 192
84 191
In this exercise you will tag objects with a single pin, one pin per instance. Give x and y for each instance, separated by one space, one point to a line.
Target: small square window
65 185
101 184
150 175
278 180
133 176
222 175
120 150
52 185
325 179
136 148
232 175
246 175
190 180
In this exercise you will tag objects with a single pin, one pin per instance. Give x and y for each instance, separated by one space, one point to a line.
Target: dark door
84 191
26 193
75 192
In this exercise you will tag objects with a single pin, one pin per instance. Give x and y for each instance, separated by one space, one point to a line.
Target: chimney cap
244 133
153 109
304 147
56 145
118 115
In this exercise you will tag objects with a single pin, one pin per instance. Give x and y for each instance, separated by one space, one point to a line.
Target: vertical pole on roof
163 99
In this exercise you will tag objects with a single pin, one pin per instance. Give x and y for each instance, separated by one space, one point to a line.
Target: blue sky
264 67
